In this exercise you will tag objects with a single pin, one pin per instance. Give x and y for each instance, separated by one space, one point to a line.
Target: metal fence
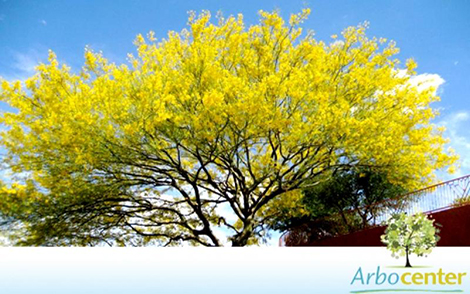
431 199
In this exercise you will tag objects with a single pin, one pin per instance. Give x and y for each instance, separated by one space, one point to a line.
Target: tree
218 117
406 234
344 202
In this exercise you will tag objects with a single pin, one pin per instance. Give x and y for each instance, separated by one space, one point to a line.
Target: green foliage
406 234
462 201
345 202
360 189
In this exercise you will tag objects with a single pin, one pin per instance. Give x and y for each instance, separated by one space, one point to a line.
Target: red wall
455 231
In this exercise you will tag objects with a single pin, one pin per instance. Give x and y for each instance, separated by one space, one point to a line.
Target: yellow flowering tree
219 117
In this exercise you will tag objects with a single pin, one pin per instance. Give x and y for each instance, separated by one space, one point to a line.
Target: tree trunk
238 243
241 239
407 258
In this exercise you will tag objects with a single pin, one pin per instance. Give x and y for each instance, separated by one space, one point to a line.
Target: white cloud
25 62
426 81
457 131
43 22
23 65
337 43
222 235
227 212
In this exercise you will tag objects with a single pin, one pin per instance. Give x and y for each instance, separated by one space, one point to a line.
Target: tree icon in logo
406 234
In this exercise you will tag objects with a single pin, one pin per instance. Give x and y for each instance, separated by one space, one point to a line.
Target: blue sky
435 33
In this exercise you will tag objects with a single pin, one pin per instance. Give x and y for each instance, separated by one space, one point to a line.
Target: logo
407 278
407 234
403 236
